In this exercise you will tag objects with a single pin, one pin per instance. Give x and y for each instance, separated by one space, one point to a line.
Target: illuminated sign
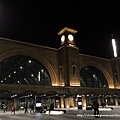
38 104
79 103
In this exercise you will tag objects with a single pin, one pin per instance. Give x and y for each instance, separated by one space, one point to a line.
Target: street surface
71 114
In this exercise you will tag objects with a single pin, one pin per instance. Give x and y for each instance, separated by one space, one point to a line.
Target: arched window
92 77
23 70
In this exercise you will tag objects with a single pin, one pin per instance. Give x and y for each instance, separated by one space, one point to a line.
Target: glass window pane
92 77
23 70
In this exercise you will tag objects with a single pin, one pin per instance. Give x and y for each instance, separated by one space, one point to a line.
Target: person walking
45 108
95 107
13 109
4 108
32 108
51 107
26 107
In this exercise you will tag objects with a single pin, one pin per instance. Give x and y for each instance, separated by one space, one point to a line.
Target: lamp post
115 55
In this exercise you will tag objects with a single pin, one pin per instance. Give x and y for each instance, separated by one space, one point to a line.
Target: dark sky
39 22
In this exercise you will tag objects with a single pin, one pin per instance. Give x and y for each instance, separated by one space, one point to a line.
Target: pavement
71 114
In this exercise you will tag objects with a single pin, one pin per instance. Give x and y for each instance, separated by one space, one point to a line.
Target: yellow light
112 87
67 106
62 106
74 85
84 104
54 84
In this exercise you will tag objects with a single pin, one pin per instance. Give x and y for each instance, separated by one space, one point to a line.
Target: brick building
33 72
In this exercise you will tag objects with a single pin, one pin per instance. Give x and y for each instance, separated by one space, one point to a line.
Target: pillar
111 100
71 101
16 103
106 101
76 103
67 103
99 102
62 102
116 101
83 102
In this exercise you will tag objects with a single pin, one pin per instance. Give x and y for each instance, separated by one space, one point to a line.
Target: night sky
39 22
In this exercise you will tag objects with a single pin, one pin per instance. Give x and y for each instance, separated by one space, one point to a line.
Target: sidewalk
75 108
71 114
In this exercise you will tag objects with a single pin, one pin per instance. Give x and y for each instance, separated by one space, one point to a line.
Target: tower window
74 70
60 71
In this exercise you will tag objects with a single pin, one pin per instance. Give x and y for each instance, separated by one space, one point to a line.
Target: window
23 70
74 70
92 77
60 68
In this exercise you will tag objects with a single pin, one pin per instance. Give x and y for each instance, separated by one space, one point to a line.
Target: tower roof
67 29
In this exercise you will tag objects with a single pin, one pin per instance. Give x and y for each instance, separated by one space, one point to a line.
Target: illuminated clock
70 37
63 38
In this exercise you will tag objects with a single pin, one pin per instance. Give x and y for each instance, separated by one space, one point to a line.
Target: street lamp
115 55
114 48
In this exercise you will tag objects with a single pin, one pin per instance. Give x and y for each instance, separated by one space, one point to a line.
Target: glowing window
23 70
92 77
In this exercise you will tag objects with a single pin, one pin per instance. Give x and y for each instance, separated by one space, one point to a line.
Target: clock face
62 38
70 37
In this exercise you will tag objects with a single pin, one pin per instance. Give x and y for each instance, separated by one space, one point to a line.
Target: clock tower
67 37
68 57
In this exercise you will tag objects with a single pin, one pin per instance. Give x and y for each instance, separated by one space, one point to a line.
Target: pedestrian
95 107
42 109
13 109
4 108
45 108
32 108
26 107
51 107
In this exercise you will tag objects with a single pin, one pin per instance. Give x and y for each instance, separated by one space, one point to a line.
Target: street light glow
114 47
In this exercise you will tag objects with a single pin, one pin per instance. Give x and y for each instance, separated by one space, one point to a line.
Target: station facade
56 75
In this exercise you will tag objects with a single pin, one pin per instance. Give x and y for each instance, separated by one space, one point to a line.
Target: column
111 100
71 101
99 102
106 101
16 103
83 102
66 102
62 102
116 101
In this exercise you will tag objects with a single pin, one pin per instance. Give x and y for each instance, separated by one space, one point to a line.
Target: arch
102 69
92 77
35 55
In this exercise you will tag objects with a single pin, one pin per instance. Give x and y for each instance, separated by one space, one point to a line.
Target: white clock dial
63 38
70 37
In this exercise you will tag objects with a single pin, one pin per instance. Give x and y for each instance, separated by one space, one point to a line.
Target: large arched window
92 77
23 70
